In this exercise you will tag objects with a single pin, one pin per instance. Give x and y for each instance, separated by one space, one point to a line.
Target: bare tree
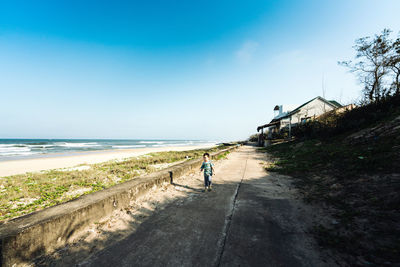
394 65
371 66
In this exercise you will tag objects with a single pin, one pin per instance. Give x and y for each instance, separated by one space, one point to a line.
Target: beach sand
13 167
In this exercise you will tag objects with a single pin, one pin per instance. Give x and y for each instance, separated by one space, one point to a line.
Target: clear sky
174 69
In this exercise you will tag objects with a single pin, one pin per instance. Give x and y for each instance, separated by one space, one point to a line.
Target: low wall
45 231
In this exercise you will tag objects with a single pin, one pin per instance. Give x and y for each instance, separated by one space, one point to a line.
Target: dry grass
358 182
22 194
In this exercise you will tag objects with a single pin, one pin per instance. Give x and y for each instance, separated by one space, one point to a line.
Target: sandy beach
13 167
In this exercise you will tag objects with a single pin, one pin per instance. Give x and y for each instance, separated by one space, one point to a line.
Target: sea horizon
26 148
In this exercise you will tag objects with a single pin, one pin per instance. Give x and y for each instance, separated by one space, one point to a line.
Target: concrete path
251 218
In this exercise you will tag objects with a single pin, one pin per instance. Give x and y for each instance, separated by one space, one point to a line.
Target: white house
309 110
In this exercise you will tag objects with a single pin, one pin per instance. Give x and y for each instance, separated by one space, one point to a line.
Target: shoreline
21 166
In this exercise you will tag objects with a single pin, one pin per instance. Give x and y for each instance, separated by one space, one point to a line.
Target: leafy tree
253 138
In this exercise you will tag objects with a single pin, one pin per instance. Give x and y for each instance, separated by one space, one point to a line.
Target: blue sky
173 69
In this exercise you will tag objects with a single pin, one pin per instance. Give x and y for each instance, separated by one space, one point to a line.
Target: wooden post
262 137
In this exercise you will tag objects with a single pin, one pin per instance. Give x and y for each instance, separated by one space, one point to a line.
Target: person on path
208 168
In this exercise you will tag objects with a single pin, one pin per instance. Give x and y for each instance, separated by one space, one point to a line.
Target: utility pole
323 90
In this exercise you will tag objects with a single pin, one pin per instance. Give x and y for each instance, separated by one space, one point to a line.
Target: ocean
32 148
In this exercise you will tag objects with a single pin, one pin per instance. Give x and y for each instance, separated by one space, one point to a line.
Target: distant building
307 111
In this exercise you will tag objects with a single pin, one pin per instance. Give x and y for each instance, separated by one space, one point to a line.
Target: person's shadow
187 187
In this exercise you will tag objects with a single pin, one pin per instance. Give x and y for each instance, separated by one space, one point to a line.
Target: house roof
275 120
266 125
337 104
280 116
332 103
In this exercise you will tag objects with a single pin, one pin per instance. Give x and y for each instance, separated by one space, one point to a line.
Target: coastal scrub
26 193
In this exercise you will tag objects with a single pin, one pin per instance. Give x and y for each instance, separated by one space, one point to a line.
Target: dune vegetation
26 193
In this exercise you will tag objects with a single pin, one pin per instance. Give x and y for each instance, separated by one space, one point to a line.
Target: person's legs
205 181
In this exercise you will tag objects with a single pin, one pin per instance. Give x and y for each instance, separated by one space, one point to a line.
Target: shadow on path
187 187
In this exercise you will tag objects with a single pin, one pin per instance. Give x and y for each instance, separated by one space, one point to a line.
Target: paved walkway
249 219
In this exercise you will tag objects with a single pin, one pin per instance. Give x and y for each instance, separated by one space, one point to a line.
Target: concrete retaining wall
45 231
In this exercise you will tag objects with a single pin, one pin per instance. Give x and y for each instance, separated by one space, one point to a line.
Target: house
307 111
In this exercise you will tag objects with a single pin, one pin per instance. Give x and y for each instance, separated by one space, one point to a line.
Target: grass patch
222 155
25 193
358 183
337 156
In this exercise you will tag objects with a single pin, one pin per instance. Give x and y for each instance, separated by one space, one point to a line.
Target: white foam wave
40 146
10 145
18 153
65 144
16 149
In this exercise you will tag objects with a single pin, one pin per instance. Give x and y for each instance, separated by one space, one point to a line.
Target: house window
304 120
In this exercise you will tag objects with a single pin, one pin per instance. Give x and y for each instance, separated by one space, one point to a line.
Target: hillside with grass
349 163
